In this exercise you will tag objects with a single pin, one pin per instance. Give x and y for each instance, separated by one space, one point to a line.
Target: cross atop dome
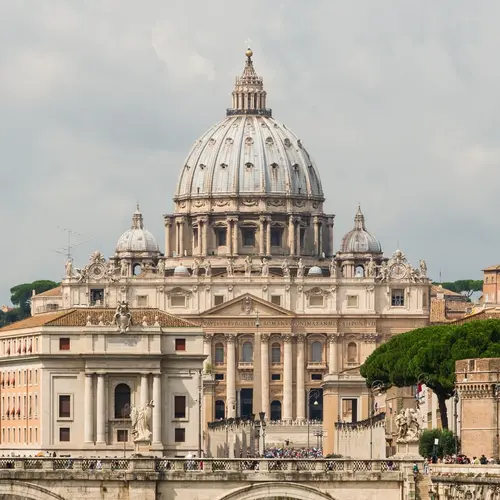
359 219
137 220
249 96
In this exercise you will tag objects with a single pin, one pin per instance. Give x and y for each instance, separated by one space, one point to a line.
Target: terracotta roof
53 292
81 317
492 268
33 321
435 289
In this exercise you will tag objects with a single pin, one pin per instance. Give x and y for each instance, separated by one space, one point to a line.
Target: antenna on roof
67 250
440 279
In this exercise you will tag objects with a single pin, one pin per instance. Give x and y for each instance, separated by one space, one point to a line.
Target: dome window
269 141
248 141
249 165
287 143
202 167
211 142
274 166
223 166
229 141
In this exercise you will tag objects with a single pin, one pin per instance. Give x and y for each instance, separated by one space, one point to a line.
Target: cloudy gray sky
397 101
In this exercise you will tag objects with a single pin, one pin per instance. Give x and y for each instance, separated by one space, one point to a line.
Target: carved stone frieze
178 291
287 337
264 337
316 291
230 338
301 337
333 338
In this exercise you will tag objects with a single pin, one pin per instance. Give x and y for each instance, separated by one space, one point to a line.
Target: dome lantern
137 239
359 240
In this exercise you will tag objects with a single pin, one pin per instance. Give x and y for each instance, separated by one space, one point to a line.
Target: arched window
220 410
219 353
359 272
316 352
276 410
352 352
137 270
122 401
247 352
276 353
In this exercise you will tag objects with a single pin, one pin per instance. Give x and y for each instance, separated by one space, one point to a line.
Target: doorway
246 402
315 402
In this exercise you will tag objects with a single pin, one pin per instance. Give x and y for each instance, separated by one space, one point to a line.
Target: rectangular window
219 376
276 237
425 299
180 435
96 296
316 300
64 406
179 406
64 344
316 376
275 376
352 301
64 434
180 344
218 300
122 435
178 301
248 237
221 235
142 301
276 300
398 298
52 307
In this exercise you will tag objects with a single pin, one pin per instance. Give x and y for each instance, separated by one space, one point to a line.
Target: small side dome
137 239
359 240
315 271
181 270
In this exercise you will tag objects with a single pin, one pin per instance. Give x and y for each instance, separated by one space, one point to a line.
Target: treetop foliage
464 287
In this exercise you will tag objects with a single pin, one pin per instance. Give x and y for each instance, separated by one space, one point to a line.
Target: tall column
317 250
262 250
89 409
228 237
144 390
287 378
300 397
177 237
207 350
167 238
204 238
101 410
181 236
231 375
330 236
333 354
321 249
198 238
264 372
291 235
235 236
157 408
297 235
268 236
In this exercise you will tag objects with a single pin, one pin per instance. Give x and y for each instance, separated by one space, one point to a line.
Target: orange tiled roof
80 317
53 292
492 268
435 289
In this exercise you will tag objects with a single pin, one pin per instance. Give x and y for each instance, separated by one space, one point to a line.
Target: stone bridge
206 479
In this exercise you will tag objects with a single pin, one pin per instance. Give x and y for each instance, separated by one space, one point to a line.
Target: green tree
6 318
21 294
446 444
428 355
465 287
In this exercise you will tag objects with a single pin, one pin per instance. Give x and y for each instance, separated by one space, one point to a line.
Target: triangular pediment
248 305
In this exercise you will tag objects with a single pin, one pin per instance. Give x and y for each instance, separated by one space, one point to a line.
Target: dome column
235 235
297 235
204 247
180 235
262 250
291 235
229 236
330 236
317 247
168 224
268 236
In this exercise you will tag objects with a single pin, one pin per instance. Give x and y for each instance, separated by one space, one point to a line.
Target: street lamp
262 416
126 415
313 395
376 386
200 403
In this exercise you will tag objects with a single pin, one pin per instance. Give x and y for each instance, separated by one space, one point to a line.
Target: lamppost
200 403
126 415
313 395
376 386
319 435
261 433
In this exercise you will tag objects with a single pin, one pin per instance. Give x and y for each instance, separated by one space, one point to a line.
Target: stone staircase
422 487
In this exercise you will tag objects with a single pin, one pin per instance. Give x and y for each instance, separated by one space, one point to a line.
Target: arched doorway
20 490
122 401
276 410
276 490
315 402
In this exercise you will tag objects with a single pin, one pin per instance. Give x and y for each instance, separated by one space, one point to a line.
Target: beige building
250 257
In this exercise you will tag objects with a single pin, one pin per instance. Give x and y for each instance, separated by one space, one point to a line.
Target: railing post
349 465
77 464
208 466
48 464
19 464
376 466
263 465
320 465
234 465
179 464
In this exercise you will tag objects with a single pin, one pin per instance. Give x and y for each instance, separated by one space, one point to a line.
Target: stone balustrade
202 466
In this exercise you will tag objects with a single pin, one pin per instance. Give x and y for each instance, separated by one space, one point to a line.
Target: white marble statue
69 268
123 268
160 268
141 422
265 267
195 267
286 269
300 269
123 317
248 265
230 267
371 268
208 269
423 268
332 268
408 426
111 270
383 274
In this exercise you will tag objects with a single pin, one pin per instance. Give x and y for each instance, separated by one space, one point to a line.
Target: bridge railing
205 465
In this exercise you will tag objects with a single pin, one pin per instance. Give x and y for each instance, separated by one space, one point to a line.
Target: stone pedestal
407 451
142 447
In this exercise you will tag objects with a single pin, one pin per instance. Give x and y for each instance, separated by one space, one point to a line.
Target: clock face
98 271
398 271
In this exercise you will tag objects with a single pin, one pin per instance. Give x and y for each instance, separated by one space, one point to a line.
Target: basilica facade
249 267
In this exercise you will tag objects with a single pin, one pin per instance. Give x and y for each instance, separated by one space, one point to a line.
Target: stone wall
364 439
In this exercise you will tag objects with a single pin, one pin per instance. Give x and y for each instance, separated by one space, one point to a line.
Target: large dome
249 153
136 239
359 240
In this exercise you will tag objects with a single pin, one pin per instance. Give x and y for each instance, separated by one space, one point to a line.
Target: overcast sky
397 101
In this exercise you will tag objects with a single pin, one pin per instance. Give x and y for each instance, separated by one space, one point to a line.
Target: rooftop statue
408 426
123 316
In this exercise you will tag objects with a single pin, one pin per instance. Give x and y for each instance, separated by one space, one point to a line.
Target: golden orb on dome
249 52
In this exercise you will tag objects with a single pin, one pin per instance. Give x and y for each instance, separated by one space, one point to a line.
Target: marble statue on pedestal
300 269
69 268
248 265
408 426
265 267
123 316
332 268
141 422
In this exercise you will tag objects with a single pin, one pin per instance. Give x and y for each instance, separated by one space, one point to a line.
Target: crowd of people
458 459
286 452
